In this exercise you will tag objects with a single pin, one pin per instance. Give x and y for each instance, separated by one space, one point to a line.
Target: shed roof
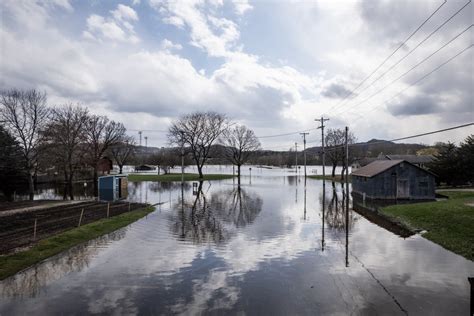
412 158
375 168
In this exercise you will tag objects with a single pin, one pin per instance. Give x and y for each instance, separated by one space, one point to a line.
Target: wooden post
34 229
108 209
129 206
80 218
471 280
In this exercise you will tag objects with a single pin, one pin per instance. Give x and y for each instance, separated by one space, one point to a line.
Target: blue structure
113 187
393 180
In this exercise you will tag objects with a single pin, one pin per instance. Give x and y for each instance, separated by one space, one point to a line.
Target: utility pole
296 158
347 195
322 120
182 158
140 134
304 151
347 154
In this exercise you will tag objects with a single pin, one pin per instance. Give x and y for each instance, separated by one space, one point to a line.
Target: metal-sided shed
113 187
394 180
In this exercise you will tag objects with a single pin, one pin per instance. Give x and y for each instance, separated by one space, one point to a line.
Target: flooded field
277 246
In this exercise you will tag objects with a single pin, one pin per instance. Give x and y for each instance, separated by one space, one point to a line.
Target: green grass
177 177
51 246
337 178
448 223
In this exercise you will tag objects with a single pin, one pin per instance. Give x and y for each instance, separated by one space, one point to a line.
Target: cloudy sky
274 66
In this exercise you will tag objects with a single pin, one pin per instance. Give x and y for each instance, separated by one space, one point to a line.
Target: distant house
361 162
393 180
144 168
104 165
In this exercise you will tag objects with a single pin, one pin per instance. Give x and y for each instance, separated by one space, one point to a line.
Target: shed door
403 189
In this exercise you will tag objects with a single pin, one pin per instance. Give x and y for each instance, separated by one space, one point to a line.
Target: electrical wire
417 81
389 56
414 67
417 46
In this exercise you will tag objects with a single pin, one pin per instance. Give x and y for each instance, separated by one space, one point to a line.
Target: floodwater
269 248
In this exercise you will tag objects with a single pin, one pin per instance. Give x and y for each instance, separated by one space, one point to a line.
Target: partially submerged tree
198 131
25 114
101 134
239 143
65 136
123 151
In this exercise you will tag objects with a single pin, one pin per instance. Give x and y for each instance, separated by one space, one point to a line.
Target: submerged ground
266 249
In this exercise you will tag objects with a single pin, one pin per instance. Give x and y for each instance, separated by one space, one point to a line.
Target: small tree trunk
70 187
334 170
96 178
200 172
238 176
120 169
31 186
65 185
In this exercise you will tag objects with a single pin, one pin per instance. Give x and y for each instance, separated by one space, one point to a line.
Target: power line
417 46
417 81
389 56
147 130
287 134
415 66
406 137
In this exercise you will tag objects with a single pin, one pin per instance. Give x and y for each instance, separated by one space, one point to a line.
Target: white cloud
150 79
166 44
241 6
123 13
116 28
201 24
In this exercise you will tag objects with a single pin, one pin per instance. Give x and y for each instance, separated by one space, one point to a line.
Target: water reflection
228 251
31 282
335 208
206 217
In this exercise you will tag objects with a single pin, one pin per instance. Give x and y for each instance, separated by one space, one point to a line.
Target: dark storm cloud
336 91
418 105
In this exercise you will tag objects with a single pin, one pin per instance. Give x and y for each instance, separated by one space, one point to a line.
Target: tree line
68 140
65 138
454 165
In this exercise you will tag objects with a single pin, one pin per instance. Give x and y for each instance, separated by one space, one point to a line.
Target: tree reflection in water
214 219
29 282
335 208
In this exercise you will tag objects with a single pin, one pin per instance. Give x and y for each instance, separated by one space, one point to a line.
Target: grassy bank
337 178
448 223
177 177
48 247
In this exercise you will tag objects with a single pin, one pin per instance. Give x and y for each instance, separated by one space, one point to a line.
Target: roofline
401 160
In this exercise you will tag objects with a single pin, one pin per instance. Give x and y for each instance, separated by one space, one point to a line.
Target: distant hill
374 147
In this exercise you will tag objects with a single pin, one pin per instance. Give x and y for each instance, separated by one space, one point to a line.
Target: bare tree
123 151
335 150
64 139
198 131
101 134
25 114
239 142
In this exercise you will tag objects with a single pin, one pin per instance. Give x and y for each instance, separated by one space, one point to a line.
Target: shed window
423 184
